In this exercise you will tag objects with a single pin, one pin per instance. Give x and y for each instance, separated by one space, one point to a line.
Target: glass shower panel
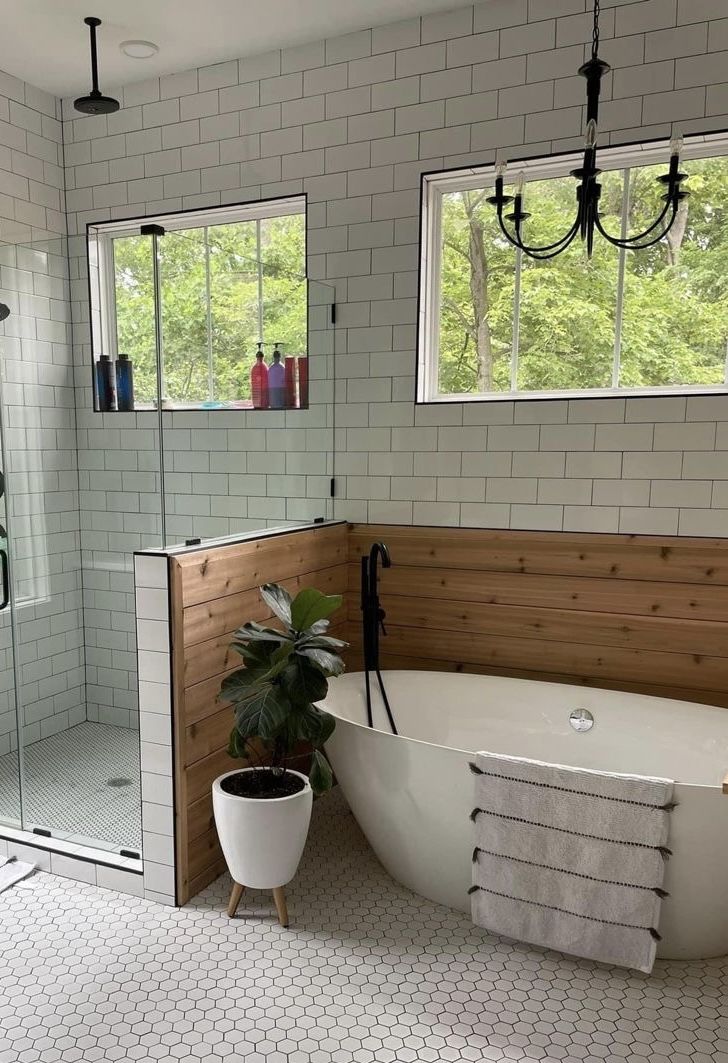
232 471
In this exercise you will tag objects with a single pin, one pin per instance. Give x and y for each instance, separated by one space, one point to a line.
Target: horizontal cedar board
395 661
561 625
200 700
558 553
616 663
204 850
207 659
197 884
201 775
237 567
200 819
580 593
209 734
208 619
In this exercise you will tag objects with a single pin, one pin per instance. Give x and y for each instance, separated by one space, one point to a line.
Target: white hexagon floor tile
366 973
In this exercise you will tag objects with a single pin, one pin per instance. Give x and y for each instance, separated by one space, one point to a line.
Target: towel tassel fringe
473 889
660 892
474 768
654 934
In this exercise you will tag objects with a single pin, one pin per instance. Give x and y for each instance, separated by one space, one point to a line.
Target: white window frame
101 236
435 185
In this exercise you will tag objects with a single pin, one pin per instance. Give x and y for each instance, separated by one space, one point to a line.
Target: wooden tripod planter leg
279 896
235 895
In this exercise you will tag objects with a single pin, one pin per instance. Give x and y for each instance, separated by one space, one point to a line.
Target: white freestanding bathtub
412 794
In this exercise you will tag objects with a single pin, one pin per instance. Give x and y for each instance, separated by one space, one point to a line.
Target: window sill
591 393
203 407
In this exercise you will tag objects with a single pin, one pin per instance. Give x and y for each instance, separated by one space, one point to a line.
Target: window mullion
208 294
516 319
621 267
260 280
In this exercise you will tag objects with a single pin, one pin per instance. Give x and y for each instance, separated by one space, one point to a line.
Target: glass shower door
11 813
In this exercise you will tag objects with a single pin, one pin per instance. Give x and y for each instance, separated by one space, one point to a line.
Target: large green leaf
303 683
328 724
311 605
238 746
278 600
320 775
256 655
322 642
237 684
263 713
329 663
253 632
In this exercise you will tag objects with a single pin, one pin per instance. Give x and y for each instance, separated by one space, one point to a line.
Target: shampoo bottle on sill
105 391
124 383
277 382
259 381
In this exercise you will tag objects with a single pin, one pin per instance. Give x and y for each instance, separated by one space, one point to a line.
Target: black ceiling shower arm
92 23
95 102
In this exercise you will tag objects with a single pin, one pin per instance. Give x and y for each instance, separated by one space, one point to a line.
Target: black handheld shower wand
373 617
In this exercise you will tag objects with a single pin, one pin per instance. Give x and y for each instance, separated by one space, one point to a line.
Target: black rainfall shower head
95 102
4 311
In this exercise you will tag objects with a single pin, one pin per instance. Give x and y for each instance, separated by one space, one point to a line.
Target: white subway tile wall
353 122
155 726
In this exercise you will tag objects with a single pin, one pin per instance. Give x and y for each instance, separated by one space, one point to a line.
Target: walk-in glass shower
69 742
83 490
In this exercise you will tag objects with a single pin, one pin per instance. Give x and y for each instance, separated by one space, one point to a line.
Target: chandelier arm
627 246
556 243
627 242
552 254
517 242
536 252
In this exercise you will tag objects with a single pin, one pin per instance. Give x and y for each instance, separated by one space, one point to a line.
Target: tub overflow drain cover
581 720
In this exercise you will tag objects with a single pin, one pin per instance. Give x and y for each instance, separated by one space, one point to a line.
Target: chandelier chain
595 31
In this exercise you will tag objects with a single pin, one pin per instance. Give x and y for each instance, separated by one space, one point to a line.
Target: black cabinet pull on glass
5 578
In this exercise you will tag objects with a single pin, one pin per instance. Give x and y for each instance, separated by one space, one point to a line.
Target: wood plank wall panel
213 592
641 613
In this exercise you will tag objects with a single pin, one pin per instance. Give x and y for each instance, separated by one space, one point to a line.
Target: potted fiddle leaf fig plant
262 811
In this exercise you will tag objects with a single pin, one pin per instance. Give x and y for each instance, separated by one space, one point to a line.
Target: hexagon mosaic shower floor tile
366 973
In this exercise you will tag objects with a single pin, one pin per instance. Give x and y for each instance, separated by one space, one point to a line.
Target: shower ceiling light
139 49
588 190
95 102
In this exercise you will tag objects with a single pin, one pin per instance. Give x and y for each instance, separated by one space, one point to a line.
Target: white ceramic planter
262 838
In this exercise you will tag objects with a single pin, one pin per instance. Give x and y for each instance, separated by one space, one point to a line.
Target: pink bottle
259 381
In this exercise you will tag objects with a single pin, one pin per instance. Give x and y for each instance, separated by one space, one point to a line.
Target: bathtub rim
325 704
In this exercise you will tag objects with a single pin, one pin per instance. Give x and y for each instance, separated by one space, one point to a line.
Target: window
495 324
228 279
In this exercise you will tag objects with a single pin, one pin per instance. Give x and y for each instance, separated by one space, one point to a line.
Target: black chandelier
588 191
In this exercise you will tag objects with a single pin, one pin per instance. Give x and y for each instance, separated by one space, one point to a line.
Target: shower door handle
5 579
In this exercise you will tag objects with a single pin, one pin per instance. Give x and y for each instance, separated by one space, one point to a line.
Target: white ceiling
45 42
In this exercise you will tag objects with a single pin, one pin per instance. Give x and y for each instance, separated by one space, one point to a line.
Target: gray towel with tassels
570 859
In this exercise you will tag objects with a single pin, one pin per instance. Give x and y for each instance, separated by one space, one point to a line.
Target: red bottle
259 381
302 382
290 364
